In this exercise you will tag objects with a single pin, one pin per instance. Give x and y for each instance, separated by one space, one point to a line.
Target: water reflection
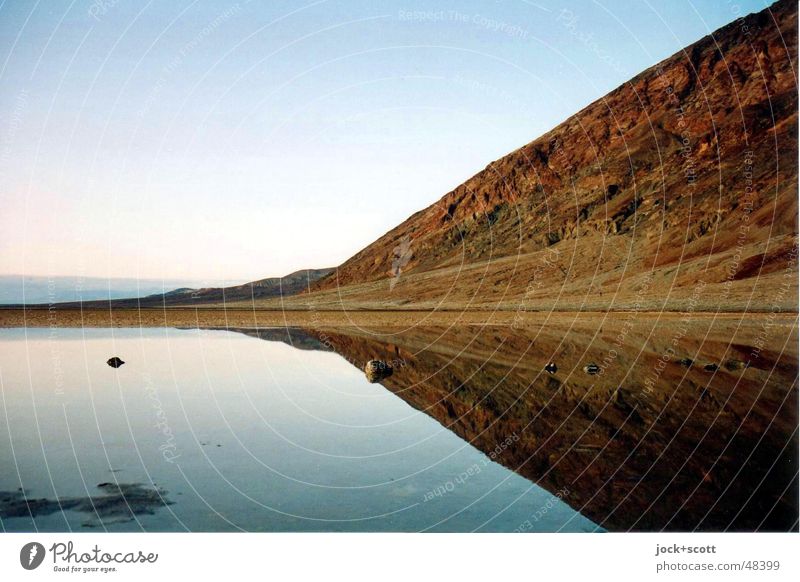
660 423
116 503
244 435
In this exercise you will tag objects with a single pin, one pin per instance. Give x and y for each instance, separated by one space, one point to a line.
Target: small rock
733 365
686 362
711 367
553 384
377 370
115 362
591 369
551 367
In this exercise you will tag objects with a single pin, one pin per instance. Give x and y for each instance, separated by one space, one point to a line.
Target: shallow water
217 431
645 422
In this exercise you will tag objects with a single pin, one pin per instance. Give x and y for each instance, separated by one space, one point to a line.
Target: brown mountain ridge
676 191
679 186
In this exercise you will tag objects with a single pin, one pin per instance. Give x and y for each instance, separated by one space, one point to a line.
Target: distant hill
290 284
271 288
17 289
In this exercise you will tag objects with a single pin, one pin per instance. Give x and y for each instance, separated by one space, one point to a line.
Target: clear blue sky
225 140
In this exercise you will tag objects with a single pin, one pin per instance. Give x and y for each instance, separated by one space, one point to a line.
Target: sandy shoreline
248 318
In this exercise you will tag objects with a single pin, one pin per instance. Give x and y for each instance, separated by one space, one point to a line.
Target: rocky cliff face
686 175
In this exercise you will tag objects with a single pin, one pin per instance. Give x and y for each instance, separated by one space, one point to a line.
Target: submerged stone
591 369
115 362
377 370
733 365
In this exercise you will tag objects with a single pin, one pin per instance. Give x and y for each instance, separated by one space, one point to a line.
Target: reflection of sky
257 431
242 140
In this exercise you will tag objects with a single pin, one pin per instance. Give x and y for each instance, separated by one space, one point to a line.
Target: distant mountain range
677 191
274 287
18 289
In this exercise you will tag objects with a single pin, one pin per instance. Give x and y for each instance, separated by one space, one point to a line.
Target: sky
231 141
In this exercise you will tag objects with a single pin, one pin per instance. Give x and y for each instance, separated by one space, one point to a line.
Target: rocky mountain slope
680 185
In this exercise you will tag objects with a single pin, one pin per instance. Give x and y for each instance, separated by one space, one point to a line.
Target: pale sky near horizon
239 140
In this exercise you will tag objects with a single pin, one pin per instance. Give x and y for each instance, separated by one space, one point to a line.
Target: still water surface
217 431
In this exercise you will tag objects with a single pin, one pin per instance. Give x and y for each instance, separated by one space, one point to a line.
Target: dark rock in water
376 370
591 369
118 503
115 362
551 367
711 367
733 365
686 362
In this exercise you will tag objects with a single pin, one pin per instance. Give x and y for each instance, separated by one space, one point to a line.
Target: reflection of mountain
697 449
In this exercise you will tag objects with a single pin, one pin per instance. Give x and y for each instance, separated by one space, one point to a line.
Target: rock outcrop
680 185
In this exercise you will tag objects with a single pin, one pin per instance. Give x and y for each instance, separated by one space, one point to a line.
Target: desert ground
252 318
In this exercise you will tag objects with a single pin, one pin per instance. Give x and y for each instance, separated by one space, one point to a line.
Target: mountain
18 289
678 188
271 288
290 284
